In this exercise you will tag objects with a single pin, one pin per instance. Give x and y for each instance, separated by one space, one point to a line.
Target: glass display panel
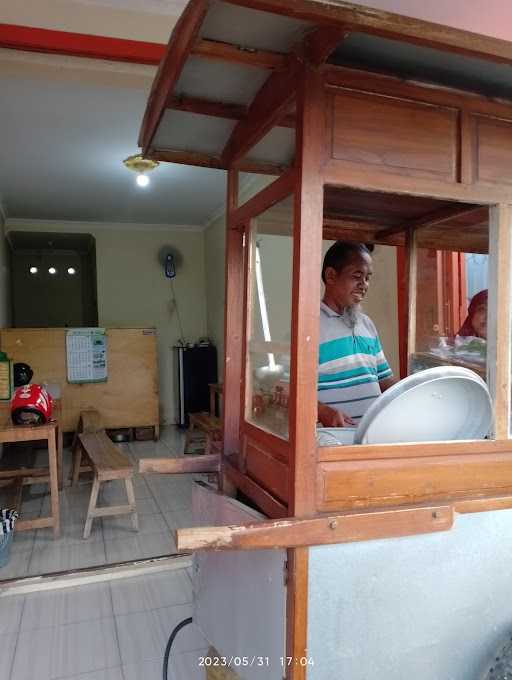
269 298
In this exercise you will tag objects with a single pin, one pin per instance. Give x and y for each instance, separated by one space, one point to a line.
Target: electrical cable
182 336
180 625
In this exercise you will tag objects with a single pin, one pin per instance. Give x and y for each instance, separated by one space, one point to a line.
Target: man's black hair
341 253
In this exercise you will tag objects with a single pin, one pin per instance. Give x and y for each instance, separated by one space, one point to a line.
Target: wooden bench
107 463
207 424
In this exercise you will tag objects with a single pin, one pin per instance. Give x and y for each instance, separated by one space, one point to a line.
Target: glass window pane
269 319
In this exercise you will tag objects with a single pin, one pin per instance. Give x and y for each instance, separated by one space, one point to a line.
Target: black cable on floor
180 625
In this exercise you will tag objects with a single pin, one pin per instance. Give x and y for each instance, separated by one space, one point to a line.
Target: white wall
4 277
133 291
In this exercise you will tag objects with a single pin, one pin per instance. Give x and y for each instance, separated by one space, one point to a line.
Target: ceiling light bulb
33 270
52 270
142 180
71 270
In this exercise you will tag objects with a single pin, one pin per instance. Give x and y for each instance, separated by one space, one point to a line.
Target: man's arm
386 383
330 417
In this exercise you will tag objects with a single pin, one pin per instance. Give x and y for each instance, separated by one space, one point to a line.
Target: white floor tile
57 557
121 527
140 546
11 608
71 533
179 519
151 591
17 565
147 506
184 666
6 657
144 635
64 651
70 605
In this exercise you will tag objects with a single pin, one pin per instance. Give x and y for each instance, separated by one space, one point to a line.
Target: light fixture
71 271
141 166
33 270
52 270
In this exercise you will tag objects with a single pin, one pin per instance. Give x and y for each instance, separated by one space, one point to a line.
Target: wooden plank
306 292
493 142
297 611
129 397
279 448
498 311
387 24
182 40
268 107
172 466
388 482
441 216
412 450
206 161
367 178
339 528
215 109
467 160
395 136
265 199
236 54
113 510
104 455
271 506
266 470
483 504
393 86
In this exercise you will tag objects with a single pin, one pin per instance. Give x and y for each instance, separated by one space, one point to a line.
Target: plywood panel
374 483
264 468
494 150
398 136
128 398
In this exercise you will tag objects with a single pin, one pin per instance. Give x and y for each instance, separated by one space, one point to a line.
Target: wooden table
10 433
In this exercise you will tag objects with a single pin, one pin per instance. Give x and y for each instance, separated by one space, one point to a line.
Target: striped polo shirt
351 363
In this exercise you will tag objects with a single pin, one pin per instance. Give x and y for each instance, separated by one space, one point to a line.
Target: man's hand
330 417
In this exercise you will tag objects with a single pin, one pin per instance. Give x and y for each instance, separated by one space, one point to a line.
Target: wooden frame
358 132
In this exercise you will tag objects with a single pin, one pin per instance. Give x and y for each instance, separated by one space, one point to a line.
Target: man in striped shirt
353 370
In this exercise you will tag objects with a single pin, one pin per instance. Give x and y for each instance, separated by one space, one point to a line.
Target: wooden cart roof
227 63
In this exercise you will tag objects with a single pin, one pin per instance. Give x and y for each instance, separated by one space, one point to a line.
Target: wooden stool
205 423
107 463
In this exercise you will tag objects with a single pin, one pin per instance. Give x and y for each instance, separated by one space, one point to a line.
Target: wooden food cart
377 129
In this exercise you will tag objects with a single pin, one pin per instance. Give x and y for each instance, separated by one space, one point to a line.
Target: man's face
349 286
479 320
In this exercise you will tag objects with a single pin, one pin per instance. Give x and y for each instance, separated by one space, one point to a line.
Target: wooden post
412 261
498 316
307 255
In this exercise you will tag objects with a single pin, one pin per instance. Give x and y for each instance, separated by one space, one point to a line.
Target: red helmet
31 405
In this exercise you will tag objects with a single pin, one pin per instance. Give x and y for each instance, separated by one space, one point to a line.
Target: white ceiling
66 125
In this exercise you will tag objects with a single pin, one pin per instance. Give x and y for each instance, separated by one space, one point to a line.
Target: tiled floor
163 504
107 631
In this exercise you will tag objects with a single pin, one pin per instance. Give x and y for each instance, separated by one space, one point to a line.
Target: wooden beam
347 527
498 317
297 582
205 107
435 219
173 466
182 40
236 54
206 161
319 45
306 290
268 107
378 22
266 198
49 41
